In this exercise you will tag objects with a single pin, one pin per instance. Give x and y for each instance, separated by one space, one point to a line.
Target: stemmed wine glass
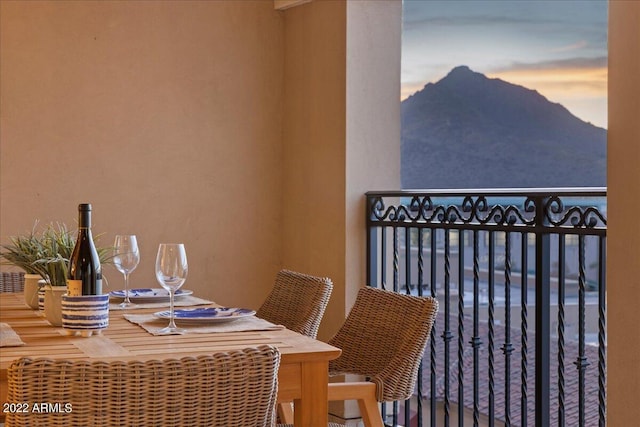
171 272
126 257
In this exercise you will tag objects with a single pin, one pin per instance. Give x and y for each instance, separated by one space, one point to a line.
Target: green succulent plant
23 251
46 252
58 243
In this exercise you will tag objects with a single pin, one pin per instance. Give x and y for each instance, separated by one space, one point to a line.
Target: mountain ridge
471 131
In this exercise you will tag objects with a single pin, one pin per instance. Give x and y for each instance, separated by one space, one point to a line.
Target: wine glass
171 272
126 257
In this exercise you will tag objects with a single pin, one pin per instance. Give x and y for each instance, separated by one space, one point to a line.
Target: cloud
462 21
558 48
409 88
576 46
556 64
560 80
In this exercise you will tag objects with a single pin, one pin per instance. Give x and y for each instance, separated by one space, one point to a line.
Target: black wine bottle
85 273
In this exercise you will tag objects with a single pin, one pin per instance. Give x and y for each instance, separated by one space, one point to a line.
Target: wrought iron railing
520 337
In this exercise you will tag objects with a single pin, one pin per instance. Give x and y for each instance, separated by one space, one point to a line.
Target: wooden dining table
302 377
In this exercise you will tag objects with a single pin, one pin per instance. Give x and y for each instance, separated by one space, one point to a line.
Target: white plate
206 314
149 295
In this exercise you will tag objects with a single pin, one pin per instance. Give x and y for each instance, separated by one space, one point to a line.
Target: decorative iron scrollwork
521 210
574 216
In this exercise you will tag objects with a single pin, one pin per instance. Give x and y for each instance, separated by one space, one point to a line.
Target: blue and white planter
41 285
86 315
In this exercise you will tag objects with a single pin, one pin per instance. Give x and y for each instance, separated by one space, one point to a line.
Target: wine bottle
85 273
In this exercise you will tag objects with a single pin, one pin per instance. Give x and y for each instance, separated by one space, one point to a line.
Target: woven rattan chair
297 301
11 281
382 339
234 388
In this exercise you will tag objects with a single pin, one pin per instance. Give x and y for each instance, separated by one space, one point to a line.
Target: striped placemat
152 324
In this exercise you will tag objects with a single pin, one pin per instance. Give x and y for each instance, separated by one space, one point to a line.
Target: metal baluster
602 343
372 250
461 328
543 327
407 260
394 418
383 249
507 348
523 328
407 273
396 259
561 327
446 333
491 279
581 362
396 279
432 339
476 342
420 283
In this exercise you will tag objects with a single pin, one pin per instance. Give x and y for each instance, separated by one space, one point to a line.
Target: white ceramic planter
53 304
31 287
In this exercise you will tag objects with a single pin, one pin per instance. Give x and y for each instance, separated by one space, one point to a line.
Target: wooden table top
302 377
123 340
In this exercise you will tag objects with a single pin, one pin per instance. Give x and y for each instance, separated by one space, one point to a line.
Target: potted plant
23 252
46 253
59 244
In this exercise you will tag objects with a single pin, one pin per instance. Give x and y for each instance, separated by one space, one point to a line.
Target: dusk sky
557 47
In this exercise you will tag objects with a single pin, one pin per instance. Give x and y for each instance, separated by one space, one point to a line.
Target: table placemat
185 301
153 324
9 337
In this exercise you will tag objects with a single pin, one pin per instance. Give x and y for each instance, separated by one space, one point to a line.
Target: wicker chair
11 281
382 339
297 301
234 388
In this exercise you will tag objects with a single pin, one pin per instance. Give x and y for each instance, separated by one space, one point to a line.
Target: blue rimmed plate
149 295
206 314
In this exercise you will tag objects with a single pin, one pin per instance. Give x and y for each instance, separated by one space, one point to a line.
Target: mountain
470 131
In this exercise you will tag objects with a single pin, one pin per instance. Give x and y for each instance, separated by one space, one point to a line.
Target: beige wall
623 234
110 102
265 127
341 136
165 115
314 146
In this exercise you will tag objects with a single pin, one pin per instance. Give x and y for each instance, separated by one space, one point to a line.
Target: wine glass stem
172 323
126 288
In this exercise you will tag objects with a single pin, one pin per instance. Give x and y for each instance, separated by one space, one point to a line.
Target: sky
557 47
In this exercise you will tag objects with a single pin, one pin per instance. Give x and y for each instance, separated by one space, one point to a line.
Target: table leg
312 407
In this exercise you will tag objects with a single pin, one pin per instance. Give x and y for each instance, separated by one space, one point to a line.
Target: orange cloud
409 88
581 90
579 86
559 83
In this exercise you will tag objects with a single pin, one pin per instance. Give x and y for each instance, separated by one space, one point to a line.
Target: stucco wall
314 147
165 115
623 233
374 34
341 136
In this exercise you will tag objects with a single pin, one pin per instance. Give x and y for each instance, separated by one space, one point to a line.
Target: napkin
184 301
8 337
153 324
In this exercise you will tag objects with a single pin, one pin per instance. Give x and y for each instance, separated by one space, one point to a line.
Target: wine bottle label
98 286
74 288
